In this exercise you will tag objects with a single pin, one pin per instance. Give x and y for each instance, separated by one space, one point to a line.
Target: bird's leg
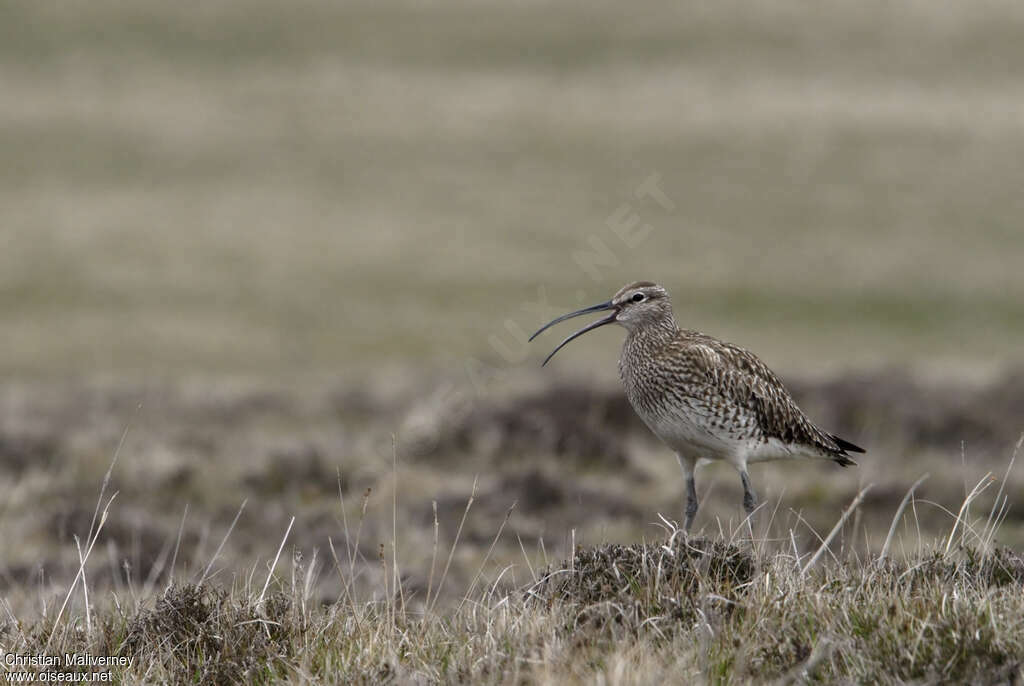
688 466
749 499
691 502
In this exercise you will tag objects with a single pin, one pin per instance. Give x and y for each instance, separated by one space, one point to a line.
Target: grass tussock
650 582
702 610
205 632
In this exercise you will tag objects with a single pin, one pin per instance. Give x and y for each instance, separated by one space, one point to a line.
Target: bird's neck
660 331
640 352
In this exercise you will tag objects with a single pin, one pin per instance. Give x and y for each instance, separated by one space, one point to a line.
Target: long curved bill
589 327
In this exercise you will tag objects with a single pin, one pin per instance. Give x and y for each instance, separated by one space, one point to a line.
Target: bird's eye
638 298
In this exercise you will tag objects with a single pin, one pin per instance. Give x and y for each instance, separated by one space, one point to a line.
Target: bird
704 398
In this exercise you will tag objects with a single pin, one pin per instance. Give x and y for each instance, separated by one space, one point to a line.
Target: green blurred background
268 188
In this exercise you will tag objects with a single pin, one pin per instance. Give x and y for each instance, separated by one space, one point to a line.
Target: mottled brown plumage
706 399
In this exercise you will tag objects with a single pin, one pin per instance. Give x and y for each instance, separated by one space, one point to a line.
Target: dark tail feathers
846 446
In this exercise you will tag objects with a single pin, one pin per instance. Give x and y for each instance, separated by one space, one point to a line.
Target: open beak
589 327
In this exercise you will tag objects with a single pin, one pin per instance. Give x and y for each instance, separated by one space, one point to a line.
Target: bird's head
634 306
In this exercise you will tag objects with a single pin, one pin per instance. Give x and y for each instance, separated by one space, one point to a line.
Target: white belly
690 435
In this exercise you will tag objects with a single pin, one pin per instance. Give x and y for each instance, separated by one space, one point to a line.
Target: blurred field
546 469
274 189
290 251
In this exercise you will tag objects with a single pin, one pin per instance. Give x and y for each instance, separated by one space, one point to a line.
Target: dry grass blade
433 553
92 535
960 522
896 517
526 558
1000 505
81 568
85 585
396 573
227 534
839 525
451 553
270 574
110 472
487 557
177 546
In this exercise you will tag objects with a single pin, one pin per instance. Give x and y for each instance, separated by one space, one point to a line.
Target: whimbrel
704 398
